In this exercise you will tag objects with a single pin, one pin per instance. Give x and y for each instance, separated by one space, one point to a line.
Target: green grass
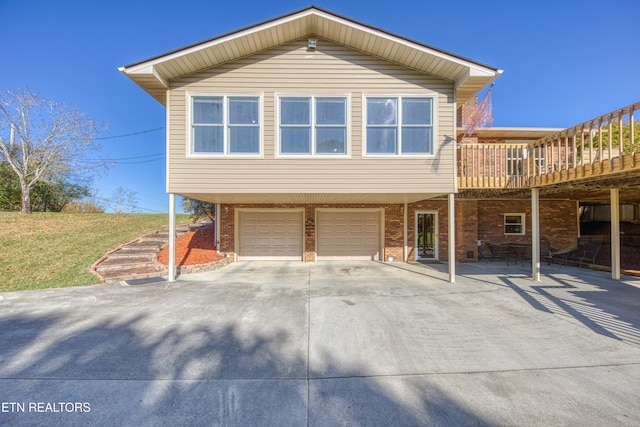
53 250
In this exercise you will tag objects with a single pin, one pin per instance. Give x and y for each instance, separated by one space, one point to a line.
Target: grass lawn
53 250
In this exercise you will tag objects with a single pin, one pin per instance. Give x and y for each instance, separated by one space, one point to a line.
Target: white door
348 234
427 235
270 235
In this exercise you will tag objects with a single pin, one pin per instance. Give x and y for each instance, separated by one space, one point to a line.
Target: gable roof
154 74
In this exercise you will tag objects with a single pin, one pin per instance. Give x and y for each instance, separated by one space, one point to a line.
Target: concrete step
130 274
141 245
118 264
131 254
155 238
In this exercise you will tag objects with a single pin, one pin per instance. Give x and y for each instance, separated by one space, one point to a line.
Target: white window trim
434 126
313 154
189 148
522 224
437 235
513 161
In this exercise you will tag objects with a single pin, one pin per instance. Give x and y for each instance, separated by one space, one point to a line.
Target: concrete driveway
325 344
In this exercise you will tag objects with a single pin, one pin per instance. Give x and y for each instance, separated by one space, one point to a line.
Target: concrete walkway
327 344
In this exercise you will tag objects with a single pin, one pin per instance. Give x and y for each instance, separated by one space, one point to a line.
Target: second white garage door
348 234
270 235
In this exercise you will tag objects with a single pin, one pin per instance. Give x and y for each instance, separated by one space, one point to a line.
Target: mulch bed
193 248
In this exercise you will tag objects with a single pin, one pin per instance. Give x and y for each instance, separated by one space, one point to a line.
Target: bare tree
44 139
123 200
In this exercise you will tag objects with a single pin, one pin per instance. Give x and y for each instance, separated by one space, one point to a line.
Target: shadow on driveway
606 306
185 376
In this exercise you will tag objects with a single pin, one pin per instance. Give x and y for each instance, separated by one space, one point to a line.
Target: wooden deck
582 162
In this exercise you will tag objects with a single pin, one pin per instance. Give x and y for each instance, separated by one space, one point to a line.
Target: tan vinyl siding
330 70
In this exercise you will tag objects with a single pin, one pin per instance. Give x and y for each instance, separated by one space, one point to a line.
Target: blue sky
564 61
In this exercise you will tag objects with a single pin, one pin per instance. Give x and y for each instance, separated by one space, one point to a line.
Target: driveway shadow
607 307
200 375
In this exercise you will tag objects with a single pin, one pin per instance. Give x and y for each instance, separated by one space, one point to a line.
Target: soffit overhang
154 74
310 198
510 132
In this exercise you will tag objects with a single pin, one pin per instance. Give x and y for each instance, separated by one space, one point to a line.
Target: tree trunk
26 197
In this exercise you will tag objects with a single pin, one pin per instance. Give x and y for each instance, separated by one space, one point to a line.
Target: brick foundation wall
467 230
394 232
558 222
227 225
392 217
475 220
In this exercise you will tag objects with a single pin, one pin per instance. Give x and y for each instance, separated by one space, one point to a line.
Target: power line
130 134
137 163
132 206
115 159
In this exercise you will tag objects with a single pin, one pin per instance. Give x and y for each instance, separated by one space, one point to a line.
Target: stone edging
200 268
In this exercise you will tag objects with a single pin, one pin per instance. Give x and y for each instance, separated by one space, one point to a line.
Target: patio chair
498 251
546 251
589 253
485 253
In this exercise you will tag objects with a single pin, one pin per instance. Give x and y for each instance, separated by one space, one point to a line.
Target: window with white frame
225 125
399 125
514 161
313 125
514 223
538 154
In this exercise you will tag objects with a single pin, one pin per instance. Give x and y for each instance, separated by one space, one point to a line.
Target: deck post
535 234
217 225
452 238
615 233
172 238
405 232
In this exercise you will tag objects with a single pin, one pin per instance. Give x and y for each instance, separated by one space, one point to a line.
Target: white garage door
270 235
348 234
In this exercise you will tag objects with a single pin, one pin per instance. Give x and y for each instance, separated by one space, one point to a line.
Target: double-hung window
225 125
514 223
399 126
538 154
313 125
514 160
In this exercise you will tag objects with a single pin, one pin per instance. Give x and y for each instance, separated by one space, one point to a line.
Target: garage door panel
348 235
270 235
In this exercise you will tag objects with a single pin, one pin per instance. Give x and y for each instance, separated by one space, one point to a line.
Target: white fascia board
323 15
223 39
476 72
145 69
